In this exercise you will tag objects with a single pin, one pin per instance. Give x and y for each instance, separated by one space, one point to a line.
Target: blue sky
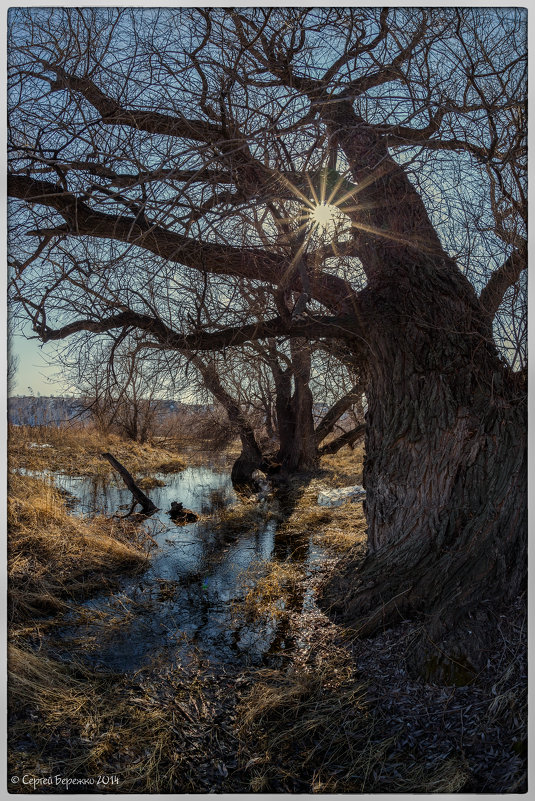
34 368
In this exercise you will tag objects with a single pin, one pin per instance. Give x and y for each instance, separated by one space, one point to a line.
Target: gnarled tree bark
445 466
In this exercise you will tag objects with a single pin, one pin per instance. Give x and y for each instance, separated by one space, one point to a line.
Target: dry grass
150 482
345 530
311 728
345 467
87 724
319 726
240 518
268 587
338 529
450 776
53 556
315 725
75 450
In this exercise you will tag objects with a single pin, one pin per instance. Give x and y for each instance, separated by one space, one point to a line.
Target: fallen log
181 515
138 495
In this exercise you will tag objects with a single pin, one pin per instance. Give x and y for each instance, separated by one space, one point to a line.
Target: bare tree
266 389
157 151
121 390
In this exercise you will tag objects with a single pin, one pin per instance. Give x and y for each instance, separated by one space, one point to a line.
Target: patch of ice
336 497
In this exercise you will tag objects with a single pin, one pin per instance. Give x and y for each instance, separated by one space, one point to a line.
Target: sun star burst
322 215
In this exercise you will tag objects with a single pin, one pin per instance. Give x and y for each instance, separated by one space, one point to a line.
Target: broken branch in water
139 497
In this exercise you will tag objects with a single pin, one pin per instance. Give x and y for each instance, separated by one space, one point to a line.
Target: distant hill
27 410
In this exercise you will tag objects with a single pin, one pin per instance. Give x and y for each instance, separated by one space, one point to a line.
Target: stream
186 598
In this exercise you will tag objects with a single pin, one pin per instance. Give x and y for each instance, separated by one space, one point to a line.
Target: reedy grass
91 723
240 518
54 557
345 467
76 450
267 588
345 531
312 729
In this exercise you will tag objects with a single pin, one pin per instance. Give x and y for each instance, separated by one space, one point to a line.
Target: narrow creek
187 597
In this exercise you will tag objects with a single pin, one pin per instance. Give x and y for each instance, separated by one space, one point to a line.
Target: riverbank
76 450
210 668
56 558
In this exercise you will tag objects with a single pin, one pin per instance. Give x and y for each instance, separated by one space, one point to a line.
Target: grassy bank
339 716
324 713
151 733
55 557
76 450
65 719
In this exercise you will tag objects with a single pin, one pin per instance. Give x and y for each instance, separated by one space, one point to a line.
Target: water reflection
185 596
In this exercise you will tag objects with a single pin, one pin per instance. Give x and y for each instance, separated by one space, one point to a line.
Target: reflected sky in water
185 598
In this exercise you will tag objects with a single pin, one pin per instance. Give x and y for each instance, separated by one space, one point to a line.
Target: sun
323 215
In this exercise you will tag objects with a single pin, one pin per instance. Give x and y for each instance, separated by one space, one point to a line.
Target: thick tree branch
113 113
401 135
342 327
143 322
326 425
218 259
505 276
347 438
83 220
316 327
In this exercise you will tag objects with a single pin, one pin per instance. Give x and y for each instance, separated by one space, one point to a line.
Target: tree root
453 607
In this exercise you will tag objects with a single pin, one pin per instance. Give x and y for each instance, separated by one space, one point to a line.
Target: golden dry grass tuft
89 724
76 450
345 467
268 588
448 777
240 518
54 556
345 531
312 730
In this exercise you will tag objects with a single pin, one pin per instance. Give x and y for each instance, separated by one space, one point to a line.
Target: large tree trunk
445 467
250 458
295 421
445 476
304 455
